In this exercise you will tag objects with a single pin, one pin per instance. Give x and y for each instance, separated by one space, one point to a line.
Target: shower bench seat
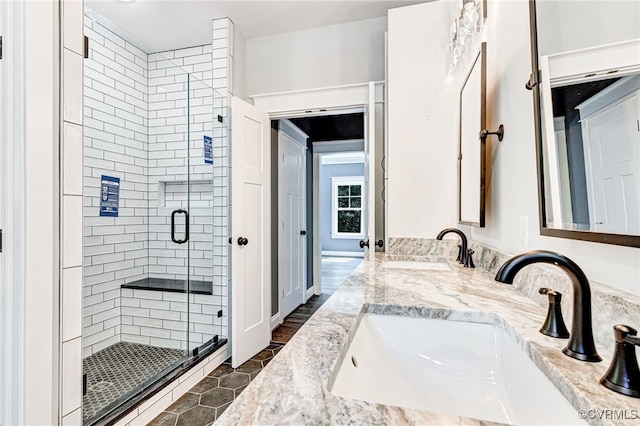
171 285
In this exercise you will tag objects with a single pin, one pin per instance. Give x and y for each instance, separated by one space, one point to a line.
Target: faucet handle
623 375
468 260
627 334
553 325
459 258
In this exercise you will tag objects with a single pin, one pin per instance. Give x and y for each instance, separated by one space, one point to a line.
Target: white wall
238 65
45 40
423 110
569 26
512 184
41 226
326 56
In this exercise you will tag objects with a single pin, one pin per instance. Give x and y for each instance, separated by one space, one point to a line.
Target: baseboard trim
275 321
343 253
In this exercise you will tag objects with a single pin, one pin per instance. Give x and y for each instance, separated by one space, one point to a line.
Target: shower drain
100 386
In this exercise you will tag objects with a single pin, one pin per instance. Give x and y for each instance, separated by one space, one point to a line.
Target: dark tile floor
297 318
204 403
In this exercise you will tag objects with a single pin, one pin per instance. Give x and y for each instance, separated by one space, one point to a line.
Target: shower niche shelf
176 193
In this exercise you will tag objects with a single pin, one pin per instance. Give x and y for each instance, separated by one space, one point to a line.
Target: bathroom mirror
472 148
586 62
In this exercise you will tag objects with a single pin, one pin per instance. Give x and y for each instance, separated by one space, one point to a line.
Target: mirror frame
482 57
598 237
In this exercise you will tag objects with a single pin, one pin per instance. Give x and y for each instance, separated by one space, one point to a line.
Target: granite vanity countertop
294 388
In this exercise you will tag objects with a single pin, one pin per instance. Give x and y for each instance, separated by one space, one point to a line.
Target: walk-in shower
155 288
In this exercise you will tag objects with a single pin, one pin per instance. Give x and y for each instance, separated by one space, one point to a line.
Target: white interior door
369 202
613 167
292 233
251 227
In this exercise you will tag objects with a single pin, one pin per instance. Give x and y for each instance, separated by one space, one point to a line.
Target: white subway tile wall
176 148
160 318
136 107
115 144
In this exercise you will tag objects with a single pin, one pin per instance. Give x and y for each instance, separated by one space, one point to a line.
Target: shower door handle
173 226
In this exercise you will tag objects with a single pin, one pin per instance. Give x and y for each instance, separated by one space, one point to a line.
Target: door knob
303 233
364 244
242 241
380 243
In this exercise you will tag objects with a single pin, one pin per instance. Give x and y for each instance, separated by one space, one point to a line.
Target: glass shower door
205 313
170 219
135 275
154 285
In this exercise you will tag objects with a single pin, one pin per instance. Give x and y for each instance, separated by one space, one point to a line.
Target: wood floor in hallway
335 270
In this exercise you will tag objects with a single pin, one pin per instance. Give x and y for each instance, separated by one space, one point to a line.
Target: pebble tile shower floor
115 371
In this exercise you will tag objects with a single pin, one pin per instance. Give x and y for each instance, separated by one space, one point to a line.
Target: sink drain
354 361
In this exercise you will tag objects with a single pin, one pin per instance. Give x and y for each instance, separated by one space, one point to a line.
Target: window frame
340 181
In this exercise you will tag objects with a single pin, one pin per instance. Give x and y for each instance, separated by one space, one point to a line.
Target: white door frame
12 222
288 128
313 103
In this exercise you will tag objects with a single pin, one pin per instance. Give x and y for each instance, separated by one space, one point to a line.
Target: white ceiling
158 25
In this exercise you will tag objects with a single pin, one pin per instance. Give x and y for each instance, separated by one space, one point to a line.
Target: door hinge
85 47
0 240
534 80
0 47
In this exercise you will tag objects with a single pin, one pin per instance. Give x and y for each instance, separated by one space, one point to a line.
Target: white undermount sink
420 265
458 368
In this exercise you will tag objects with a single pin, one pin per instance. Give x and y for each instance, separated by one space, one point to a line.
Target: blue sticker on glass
109 196
208 150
